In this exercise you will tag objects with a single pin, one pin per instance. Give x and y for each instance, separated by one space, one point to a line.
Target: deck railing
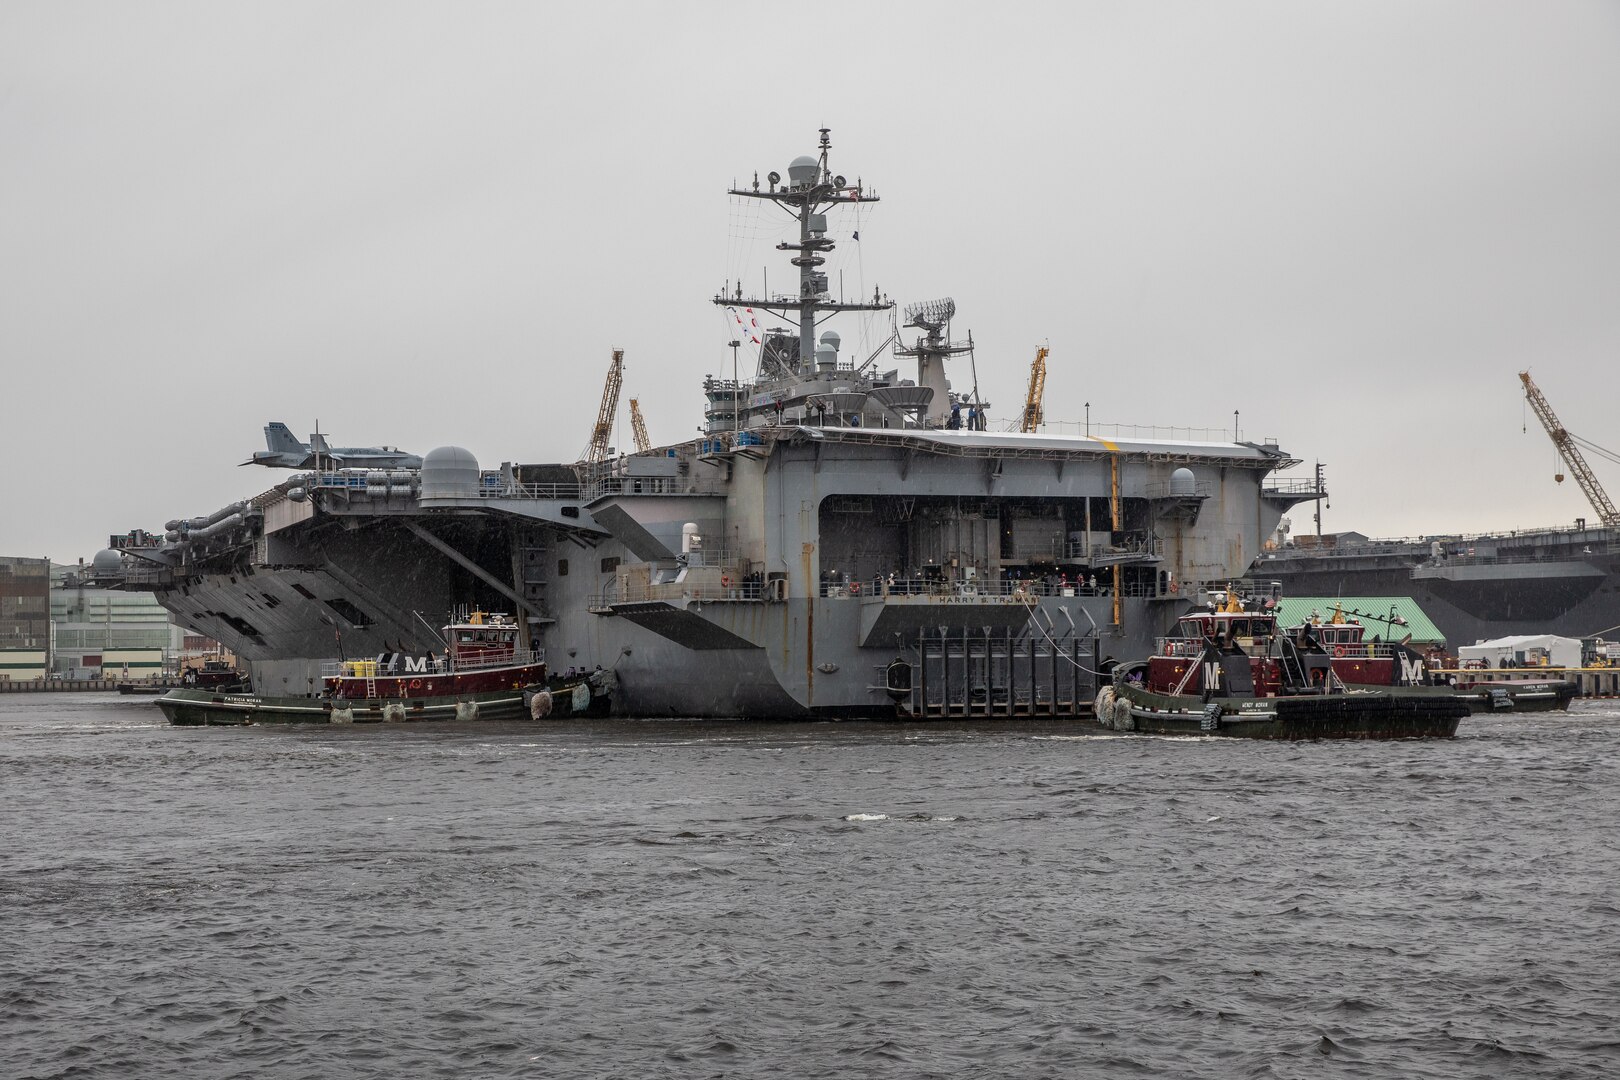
729 587
399 665
1193 648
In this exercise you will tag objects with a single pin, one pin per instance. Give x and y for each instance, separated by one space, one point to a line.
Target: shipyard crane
1571 453
596 452
638 428
1037 391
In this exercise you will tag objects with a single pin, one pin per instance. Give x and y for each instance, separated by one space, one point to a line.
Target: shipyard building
54 622
25 616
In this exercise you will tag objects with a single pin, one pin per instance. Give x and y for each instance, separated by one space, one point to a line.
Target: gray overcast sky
429 223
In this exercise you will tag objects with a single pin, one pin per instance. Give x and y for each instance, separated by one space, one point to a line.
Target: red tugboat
482 664
1231 671
1356 661
483 675
1362 663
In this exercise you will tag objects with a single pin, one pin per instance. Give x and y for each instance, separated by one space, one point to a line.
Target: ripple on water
811 900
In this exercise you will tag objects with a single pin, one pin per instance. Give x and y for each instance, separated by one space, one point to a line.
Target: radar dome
1182 482
831 338
107 562
803 170
449 472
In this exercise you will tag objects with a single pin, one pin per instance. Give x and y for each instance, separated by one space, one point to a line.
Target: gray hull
1563 582
977 535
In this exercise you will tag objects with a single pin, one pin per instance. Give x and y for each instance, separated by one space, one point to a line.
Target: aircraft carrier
1563 581
842 541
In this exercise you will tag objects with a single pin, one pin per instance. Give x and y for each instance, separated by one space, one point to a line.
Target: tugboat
1230 672
212 675
1488 691
482 675
1361 663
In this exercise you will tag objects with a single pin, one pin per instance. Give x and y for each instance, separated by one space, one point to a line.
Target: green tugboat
1229 672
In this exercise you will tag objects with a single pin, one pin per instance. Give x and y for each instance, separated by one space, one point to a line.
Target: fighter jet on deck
286 452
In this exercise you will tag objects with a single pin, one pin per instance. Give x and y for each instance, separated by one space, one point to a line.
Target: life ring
1338 650
1169 649
416 684
1174 588
725 581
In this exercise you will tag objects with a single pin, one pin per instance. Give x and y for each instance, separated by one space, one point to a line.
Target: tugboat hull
205 708
1371 715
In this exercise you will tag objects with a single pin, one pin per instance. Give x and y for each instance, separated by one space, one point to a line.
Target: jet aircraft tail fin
279 437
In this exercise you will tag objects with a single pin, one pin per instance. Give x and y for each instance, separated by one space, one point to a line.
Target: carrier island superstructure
835 544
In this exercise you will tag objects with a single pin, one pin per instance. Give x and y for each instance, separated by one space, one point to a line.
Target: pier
59 686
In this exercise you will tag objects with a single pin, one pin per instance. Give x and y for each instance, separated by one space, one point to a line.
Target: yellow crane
638 428
596 451
1037 391
1571 453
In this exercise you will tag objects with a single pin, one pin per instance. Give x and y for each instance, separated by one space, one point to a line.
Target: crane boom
1571 453
638 428
1037 390
596 451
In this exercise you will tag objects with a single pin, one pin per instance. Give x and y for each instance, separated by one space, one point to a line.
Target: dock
74 686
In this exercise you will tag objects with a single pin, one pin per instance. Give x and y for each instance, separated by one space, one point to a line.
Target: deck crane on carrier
1571 453
638 428
596 451
1037 390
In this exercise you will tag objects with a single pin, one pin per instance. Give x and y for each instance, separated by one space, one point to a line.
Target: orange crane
596 451
1037 390
1571 453
638 428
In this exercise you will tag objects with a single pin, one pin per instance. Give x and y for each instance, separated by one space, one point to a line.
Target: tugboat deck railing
402 665
1193 648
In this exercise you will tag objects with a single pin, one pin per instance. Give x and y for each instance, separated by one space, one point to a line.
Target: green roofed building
1373 612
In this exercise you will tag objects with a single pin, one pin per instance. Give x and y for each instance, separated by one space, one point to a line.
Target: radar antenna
931 315
1571 453
933 348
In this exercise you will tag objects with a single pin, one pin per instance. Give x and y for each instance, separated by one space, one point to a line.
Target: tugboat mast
811 187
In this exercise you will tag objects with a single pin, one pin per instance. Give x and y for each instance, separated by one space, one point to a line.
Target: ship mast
811 187
933 318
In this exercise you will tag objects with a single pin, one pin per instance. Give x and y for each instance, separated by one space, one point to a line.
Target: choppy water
643 900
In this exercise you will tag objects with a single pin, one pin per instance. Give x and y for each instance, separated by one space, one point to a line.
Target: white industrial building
1529 650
